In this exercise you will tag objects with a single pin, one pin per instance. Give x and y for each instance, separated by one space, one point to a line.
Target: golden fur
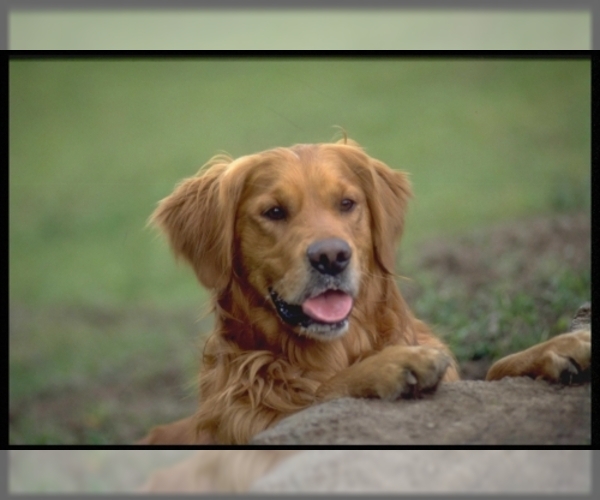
257 368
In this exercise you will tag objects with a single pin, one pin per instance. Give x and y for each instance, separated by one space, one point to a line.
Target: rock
431 471
512 411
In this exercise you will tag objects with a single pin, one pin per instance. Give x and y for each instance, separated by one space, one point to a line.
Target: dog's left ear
388 204
198 218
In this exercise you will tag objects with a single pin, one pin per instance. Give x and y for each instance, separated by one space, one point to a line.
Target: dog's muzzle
328 302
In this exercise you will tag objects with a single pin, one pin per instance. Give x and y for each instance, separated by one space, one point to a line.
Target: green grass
94 144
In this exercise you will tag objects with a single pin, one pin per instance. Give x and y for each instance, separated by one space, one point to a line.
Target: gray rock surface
431 471
512 411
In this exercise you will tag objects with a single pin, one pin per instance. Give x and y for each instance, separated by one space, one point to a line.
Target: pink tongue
329 307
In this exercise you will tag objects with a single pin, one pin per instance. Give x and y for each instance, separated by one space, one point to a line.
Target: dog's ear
198 219
388 204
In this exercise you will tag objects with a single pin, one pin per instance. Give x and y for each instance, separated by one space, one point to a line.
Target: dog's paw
564 359
396 371
404 371
567 358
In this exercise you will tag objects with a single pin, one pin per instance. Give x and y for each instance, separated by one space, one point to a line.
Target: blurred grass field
100 314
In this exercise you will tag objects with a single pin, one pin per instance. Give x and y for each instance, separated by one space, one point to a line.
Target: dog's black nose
329 256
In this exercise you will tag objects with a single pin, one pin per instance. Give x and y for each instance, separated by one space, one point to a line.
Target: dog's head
301 227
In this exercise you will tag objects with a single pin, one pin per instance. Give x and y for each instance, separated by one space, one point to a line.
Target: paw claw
410 378
573 367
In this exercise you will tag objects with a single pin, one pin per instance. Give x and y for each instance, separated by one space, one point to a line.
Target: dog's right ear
199 224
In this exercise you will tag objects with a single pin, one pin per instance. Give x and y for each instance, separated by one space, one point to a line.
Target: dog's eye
347 204
275 213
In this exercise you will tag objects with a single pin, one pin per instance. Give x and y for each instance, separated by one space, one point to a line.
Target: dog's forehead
305 166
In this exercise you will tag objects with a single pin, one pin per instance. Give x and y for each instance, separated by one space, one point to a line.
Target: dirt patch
512 411
514 250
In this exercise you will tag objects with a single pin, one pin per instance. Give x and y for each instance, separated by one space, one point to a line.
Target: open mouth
328 310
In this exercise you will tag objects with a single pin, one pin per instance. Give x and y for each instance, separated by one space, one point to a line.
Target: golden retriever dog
297 246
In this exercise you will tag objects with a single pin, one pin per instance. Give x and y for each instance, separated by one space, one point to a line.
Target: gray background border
4 472
541 5
424 4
